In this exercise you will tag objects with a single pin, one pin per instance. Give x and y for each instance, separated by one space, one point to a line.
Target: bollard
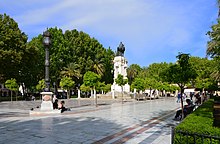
172 134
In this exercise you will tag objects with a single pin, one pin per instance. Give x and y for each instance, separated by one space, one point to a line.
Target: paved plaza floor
133 122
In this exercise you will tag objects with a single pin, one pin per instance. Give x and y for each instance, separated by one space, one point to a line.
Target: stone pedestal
46 101
117 88
120 67
46 106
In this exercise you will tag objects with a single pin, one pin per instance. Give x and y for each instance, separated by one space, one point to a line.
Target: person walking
178 97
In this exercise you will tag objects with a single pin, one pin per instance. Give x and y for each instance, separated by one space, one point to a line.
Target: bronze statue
120 50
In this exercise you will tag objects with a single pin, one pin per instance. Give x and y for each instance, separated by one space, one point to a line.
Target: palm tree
98 67
72 70
132 72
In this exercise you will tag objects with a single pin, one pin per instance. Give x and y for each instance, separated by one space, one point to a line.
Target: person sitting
187 109
55 104
61 106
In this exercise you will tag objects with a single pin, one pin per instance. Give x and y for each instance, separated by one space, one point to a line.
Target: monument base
46 106
46 101
40 112
117 88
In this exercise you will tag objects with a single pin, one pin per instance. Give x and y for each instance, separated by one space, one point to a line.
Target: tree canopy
12 49
67 83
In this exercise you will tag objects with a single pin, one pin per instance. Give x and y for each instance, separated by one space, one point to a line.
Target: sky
152 31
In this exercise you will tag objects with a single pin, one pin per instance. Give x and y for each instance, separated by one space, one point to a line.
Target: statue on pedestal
120 50
120 67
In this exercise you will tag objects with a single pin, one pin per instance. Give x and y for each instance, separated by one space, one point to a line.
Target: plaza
146 122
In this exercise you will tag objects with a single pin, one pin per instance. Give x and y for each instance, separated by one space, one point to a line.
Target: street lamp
47 42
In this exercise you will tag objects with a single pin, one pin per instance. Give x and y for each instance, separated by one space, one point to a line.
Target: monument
120 67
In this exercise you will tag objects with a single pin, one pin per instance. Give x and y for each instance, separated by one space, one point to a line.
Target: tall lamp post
47 42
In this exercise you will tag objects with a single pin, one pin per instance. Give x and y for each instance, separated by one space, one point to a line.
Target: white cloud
148 28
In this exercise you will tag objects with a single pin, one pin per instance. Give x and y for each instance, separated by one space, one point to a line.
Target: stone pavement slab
132 122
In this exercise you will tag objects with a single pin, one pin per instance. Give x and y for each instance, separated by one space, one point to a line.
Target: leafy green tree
91 79
181 73
12 48
108 66
150 83
204 69
35 57
138 84
107 88
41 85
67 83
121 82
100 86
12 85
85 89
73 50
153 71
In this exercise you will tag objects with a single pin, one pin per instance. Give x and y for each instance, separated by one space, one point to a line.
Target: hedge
198 123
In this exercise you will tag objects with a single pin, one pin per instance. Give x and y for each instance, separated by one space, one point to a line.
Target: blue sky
152 31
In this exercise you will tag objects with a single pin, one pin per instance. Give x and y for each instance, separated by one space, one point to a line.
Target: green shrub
216 98
200 122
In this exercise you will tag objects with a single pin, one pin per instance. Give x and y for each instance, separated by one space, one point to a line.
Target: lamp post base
46 106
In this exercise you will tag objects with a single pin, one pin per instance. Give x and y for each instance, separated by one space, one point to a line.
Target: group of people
189 107
198 98
59 106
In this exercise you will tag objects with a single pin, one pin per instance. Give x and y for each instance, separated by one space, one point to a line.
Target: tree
153 71
213 48
12 86
85 89
91 79
72 71
100 86
67 83
41 85
108 66
121 82
181 73
138 84
73 51
204 69
132 72
107 88
12 48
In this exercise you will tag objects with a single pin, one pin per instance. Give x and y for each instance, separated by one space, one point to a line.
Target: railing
182 137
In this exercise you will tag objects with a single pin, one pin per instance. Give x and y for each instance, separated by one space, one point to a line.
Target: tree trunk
16 96
92 93
23 89
95 98
11 96
181 99
68 92
122 94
